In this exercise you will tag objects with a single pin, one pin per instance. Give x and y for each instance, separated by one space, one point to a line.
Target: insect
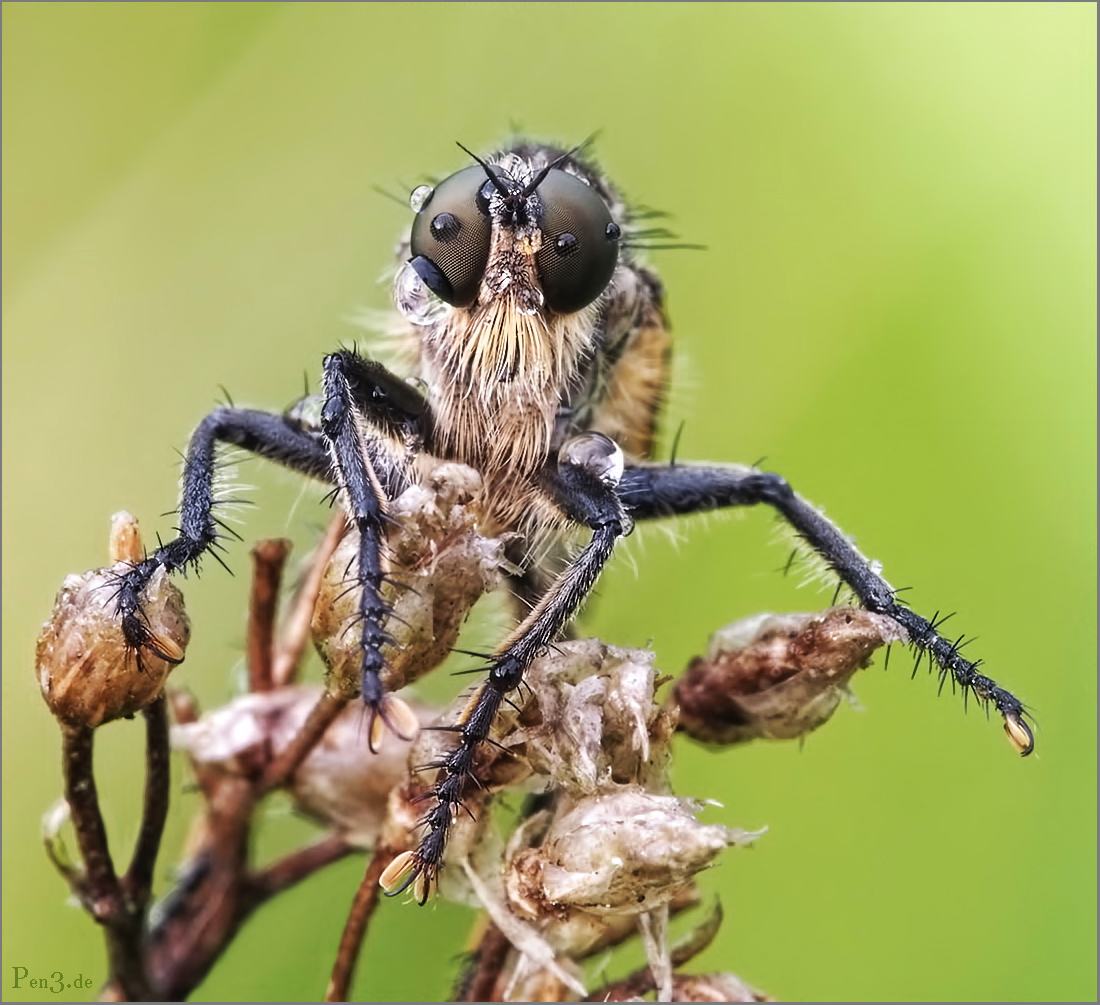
540 356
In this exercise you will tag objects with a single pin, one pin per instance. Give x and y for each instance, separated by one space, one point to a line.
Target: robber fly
541 356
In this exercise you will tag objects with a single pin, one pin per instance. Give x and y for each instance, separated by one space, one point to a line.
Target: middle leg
583 485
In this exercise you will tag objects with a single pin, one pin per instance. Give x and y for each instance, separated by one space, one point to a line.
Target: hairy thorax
495 377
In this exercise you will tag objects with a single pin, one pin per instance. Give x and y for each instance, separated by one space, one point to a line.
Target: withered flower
88 673
778 676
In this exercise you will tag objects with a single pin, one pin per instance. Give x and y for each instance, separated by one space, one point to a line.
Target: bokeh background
896 310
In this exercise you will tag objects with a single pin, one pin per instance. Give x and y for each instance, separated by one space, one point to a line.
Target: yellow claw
404 871
1019 735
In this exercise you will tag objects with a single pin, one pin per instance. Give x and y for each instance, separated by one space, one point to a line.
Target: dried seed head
593 722
439 567
340 783
778 676
627 851
87 672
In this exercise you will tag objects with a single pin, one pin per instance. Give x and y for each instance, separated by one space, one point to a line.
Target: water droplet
419 197
413 299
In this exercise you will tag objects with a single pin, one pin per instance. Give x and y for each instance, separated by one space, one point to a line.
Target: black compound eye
579 243
450 238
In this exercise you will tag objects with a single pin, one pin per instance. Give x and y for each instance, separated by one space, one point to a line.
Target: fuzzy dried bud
626 851
439 565
778 676
340 783
593 722
87 672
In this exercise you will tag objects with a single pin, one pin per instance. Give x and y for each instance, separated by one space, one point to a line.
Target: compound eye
580 243
450 238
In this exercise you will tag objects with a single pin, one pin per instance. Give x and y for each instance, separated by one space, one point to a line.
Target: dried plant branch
324 713
642 981
139 877
298 865
89 676
355 929
268 559
98 887
296 631
99 882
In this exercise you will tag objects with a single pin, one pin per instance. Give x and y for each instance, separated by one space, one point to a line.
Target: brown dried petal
87 672
778 676
340 783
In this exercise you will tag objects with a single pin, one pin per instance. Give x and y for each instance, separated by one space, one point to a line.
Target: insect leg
356 389
651 491
272 436
579 491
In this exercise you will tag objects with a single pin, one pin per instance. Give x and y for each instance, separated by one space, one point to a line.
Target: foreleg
367 474
261 433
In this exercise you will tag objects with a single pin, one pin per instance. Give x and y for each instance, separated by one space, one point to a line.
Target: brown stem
328 707
298 865
100 882
139 877
366 900
296 628
479 983
268 559
99 888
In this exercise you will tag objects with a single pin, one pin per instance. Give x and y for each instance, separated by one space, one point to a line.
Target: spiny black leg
270 436
651 491
354 388
579 486
388 400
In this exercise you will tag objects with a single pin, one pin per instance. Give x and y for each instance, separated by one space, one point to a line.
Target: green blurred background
896 310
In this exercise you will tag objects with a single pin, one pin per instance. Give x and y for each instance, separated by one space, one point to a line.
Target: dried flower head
778 676
88 673
623 851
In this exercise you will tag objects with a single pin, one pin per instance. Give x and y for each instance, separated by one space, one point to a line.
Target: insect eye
450 238
579 243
